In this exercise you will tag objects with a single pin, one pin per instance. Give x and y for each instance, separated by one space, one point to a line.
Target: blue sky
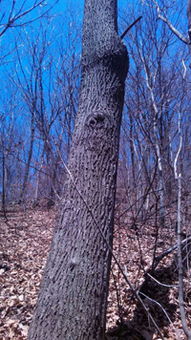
62 23
63 16
65 8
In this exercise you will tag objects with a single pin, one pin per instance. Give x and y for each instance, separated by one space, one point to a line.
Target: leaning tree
73 297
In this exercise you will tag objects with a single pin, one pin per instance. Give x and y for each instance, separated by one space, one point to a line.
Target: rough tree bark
73 297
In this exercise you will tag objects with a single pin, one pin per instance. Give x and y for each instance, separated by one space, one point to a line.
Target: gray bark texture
73 297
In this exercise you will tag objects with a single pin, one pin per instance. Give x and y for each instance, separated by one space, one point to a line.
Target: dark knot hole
97 119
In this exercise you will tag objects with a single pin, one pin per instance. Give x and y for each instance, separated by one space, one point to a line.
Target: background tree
44 106
73 298
13 15
158 85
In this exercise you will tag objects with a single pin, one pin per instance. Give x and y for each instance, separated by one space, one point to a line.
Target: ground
24 244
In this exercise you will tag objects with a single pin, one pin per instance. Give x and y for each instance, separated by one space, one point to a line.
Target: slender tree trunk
160 183
189 18
27 169
132 148
3 199
38 179
73 298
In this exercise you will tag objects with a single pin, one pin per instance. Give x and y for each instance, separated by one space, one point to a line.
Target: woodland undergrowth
24 244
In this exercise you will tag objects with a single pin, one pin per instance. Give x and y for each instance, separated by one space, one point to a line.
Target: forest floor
24 243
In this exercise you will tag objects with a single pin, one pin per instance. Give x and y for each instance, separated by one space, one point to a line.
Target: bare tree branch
178 177
12 19
173 29
169 251
128 28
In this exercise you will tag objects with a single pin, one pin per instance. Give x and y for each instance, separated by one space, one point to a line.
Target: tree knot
99 120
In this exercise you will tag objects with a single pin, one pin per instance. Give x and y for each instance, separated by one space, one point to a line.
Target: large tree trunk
73 297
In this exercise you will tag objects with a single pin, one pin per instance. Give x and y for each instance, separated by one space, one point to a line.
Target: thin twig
128 28
160 283
169 250
158 304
